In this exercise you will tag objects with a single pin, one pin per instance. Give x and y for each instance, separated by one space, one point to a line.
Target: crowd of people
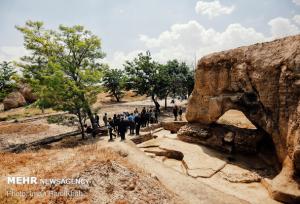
120 123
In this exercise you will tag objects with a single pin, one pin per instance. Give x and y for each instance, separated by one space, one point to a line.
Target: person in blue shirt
131 123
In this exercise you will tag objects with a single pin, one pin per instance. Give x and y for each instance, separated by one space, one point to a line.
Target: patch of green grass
62 119
57 119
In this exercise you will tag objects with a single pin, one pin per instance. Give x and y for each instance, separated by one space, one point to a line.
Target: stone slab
175 164
198 160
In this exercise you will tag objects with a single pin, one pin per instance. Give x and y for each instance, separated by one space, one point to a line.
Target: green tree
7 84
63 68
190 81
177 79
143 76
114 83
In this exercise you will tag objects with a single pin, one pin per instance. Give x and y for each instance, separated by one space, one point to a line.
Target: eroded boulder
14 100
262 81
27 93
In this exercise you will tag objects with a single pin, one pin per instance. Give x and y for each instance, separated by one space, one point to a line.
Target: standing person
136 111
115 123
143 117
143 110
105 119
110 129
137 121
152 117
97 119
147 117
175 112
131 123
122 128
180 113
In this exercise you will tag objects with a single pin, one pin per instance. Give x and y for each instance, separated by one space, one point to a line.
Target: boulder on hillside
14 100
26 91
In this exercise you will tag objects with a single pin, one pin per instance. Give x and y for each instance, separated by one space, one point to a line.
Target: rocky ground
238 175
121 173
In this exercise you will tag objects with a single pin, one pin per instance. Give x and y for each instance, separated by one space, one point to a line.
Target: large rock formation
19 98
27 93
262 81
14 100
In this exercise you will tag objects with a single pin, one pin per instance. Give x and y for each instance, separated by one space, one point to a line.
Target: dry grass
11 162
129 96
8 199
22 112
23 128
62 163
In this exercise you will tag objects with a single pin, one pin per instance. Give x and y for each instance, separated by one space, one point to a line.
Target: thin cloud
213 8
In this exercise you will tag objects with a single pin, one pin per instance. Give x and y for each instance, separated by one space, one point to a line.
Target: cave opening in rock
236 118
265 147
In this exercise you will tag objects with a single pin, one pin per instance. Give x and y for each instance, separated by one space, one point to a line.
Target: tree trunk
81 124
166 100
92 119
155 103
117 98
88 111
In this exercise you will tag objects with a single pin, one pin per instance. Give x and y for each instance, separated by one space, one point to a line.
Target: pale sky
182 29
